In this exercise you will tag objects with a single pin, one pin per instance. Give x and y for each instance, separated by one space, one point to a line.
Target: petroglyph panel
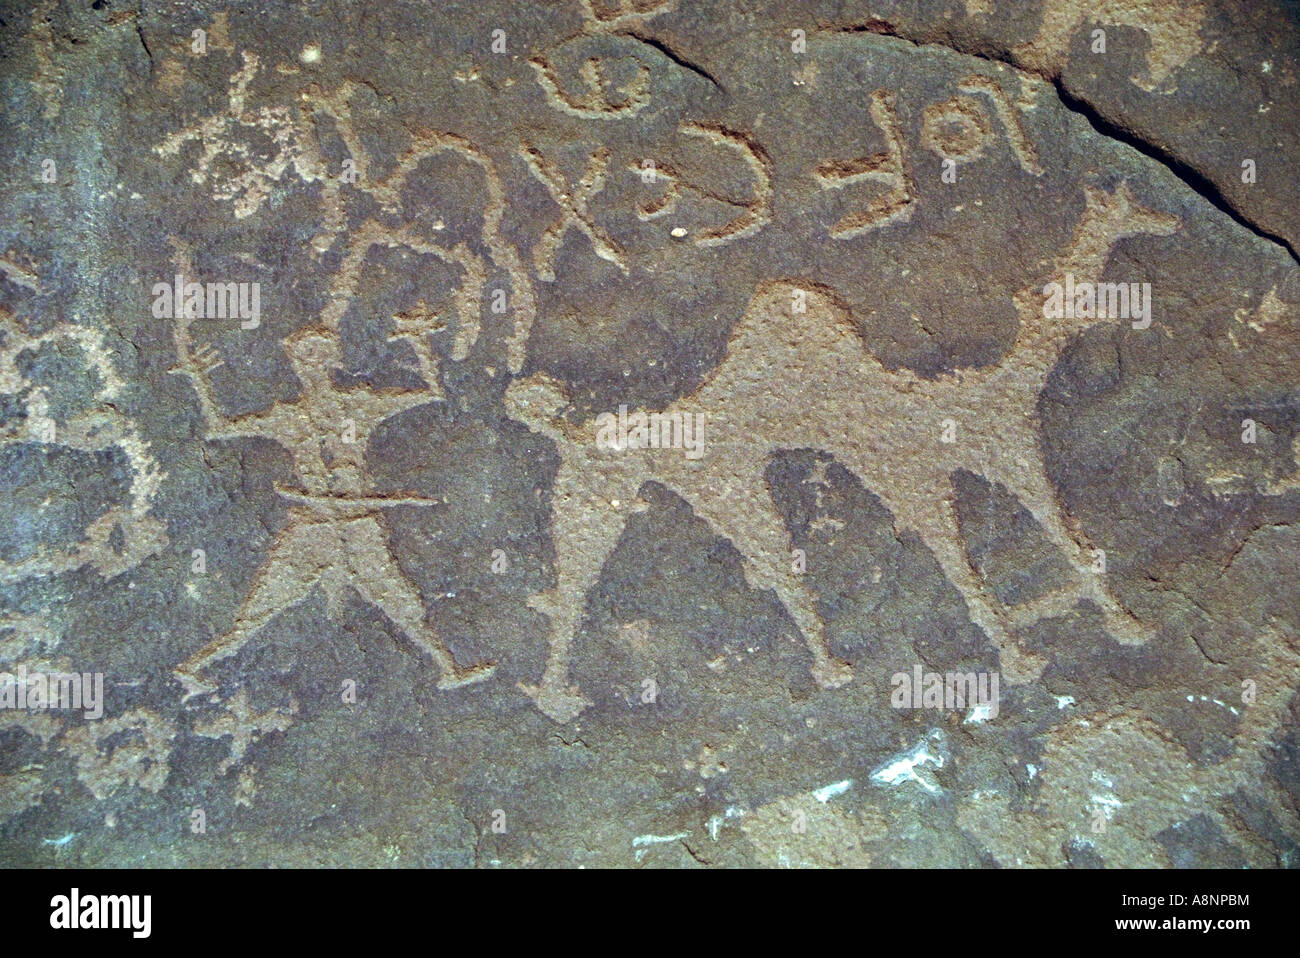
683 433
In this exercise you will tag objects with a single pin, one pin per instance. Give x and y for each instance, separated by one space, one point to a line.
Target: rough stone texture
563 654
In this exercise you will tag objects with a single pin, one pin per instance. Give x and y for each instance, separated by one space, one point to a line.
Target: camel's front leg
1028 481
936 523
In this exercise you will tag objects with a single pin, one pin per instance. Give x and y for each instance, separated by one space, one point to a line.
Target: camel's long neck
797 343
1107 219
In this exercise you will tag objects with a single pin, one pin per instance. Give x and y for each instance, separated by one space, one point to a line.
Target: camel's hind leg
590 507
736 504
